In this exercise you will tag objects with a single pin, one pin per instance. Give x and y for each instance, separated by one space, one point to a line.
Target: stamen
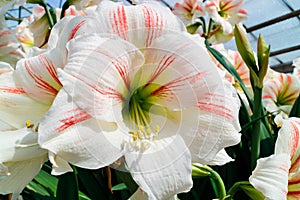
29 124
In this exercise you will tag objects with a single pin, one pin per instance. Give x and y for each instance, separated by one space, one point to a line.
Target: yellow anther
131 132
134 137
148 131
28 124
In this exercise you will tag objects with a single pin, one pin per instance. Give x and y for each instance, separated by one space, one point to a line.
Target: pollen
29 124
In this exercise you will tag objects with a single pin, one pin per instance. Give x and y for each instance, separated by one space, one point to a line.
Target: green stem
220 190
48 14
235 188
255 136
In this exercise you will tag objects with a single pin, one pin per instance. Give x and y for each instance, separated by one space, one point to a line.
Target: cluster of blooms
114 82
215 17
110 82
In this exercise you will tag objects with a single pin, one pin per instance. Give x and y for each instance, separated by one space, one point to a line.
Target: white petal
163 170
38 75
15 105
72 135
98 74
271 176
19 145
138 24
60 166
221 158
21 173
70 27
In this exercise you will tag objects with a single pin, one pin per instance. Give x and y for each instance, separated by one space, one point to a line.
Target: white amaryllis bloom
280 93
21 159
20 155
227 13
144 90
25 96
277 176
188 10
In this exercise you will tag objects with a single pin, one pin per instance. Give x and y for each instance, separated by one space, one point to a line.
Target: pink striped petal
72 134
10 48
70 27
100 72
15 104
271 176
281 92
39 77
188 10
139 24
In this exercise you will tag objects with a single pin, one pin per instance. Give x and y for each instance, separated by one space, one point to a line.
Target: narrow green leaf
230 68
295 112
48 181
82 196
94 183
128 180
37 188
246 187
67 187
120 186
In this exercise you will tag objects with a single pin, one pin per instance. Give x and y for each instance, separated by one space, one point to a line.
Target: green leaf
120 186
38 189
230 68
192 28
94 183
295 112
247 188
252 192
48 181
128 180
67 187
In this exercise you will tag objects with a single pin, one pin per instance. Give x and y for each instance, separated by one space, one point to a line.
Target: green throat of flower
136 112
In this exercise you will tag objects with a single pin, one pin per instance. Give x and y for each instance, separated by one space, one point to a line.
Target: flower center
136 113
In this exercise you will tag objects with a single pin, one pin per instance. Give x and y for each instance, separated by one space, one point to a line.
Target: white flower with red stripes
136 85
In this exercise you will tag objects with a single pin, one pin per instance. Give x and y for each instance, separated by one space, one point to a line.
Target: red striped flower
135 85
277 176
225 13
26 95
188 10
280 92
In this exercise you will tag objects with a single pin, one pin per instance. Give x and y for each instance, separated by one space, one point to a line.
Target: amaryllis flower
20 156
277 176
24 35
10 48
25 96
142 91
188 10
21 159
280 92
225 14
83 4
236 60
